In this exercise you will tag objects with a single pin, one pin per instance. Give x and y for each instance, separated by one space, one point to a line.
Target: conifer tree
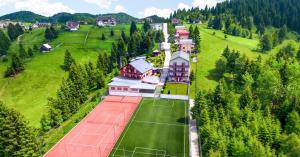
124 37
103 37
4 43
79 85
112 33
16 66
191 31
133 28
30 52
17 137
22 52
68 60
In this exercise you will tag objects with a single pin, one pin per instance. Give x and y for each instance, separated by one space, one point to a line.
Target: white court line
129 125
137 152
159 123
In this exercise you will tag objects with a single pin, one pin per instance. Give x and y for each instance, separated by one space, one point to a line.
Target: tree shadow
213 75
183 120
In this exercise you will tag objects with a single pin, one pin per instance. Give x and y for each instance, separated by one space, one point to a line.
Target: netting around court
97 133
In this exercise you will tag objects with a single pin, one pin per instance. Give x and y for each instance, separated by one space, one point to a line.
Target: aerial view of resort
170 78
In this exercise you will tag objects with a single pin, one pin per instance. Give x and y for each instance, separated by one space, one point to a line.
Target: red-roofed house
182 34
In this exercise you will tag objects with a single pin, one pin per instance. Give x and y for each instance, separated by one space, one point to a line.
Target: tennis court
97 133
159 128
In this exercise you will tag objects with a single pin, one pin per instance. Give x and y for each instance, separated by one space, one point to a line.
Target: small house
73 26
157 26
186 45
176 21
106 21
45 48
179 67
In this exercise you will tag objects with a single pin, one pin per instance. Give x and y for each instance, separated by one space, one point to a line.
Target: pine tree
45 123
133 28
124 37
49 34
35 48
159 37
196 39
55 117
30 52
22 52
266 43
113 54
191 31
103 37
112 33
282 33
146 26
16 66
17 137
4 43
246 98
292 123
79 85
68 60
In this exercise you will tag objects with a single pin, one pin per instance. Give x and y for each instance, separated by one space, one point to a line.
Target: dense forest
27 16
263 13
254 110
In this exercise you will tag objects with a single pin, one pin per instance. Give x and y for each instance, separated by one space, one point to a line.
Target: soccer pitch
158 128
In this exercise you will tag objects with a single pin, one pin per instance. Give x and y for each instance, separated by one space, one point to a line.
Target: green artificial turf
28 92
176 89
158 128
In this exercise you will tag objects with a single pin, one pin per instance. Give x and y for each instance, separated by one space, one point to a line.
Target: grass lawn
158 128
212 47
176 89
28 92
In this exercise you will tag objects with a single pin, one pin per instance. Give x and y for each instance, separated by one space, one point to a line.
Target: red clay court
97 133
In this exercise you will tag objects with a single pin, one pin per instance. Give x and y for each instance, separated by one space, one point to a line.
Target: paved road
194 144
166 46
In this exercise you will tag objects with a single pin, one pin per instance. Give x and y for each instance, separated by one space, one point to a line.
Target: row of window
178 74
122 89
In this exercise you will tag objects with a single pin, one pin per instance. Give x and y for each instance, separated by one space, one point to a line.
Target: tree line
254 110
139 42
17 138
74 90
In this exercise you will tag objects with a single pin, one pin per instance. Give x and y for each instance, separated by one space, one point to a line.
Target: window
119 88
125 89
112 88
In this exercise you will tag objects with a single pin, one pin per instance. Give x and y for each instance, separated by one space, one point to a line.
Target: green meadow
213 43
29 91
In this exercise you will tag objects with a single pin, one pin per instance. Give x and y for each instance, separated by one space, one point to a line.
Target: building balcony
179 66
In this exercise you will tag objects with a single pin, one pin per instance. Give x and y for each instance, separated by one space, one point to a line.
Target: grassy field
212 47
176 89
28 92
159 128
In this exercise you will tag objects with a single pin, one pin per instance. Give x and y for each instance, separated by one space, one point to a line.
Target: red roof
182 32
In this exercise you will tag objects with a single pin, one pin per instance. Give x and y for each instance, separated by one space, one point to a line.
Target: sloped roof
180 54
47 46
186 41
72 24
182 32
137 84
180 27
141 65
